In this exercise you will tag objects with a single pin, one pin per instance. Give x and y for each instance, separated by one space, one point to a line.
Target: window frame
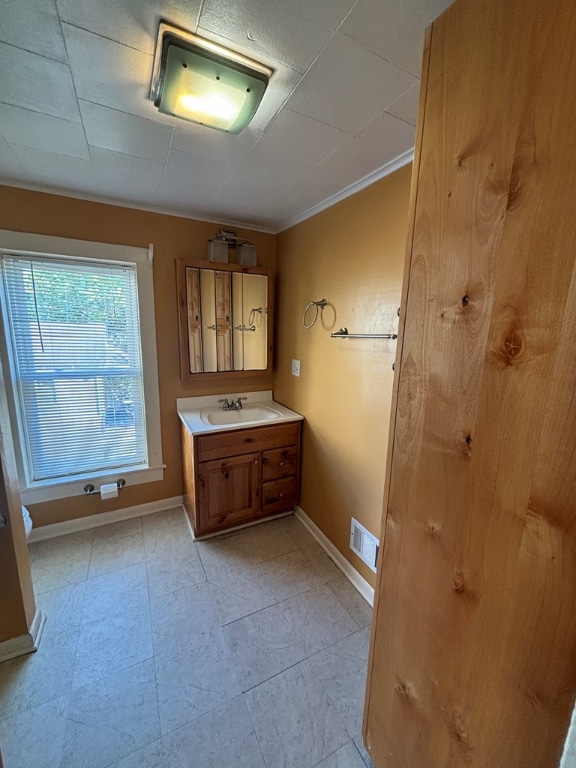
25 244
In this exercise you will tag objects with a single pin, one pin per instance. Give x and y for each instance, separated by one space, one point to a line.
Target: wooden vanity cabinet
236 476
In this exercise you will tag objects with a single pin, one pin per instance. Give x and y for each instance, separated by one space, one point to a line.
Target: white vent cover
364 544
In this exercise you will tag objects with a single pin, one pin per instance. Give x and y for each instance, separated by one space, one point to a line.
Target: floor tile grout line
276 674
264 762
309 657
351 741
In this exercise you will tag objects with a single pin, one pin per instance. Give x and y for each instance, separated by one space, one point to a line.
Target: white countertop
190 411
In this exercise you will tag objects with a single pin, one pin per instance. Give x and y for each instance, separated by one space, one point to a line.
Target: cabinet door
229 491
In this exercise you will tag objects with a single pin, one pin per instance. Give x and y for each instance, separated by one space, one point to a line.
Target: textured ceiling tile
300 139
11 167
261 176
33 25
406 107
109 191
119 191
393 29
49 168
39 131
36 83
107 163
187 197
348 86
291 32
381 142
215 144
110 74
131 22
298 199
121 132
187 168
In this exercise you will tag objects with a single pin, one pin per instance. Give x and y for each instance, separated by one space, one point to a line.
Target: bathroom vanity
240 464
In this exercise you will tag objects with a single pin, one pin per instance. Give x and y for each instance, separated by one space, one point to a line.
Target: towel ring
319 305
253 312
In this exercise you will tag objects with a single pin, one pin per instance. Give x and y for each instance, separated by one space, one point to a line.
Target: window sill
39 493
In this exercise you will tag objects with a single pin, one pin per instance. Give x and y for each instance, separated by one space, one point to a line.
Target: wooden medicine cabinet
224 319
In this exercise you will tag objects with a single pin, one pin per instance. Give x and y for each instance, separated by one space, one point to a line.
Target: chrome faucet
235 405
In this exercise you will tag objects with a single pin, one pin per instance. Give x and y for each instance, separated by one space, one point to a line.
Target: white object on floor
27 521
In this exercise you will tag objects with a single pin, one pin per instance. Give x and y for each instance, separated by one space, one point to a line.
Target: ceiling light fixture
197 80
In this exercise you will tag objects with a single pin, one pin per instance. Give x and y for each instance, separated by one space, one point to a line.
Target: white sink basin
203 415
248 414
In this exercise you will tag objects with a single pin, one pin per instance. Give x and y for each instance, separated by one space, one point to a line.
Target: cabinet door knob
281 463
255 461
281 494
226 475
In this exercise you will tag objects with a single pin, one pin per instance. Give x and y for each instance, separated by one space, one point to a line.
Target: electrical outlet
295 367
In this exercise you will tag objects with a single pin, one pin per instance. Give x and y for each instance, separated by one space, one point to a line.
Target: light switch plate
295 367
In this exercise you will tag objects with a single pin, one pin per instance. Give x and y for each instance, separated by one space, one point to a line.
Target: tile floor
158 652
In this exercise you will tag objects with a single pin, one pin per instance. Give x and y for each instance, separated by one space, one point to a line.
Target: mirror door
254 290
224 314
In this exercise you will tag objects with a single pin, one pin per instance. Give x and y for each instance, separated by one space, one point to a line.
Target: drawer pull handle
281 494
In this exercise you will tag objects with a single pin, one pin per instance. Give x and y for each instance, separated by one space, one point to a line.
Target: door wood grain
473 654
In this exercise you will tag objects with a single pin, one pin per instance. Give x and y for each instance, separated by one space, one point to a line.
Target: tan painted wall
353 255
173 237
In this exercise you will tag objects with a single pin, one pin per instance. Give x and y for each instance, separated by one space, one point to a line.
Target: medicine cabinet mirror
225 319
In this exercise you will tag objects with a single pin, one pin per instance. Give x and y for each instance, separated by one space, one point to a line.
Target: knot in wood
403 688
458 582
514 189
509 347
460 729
513 346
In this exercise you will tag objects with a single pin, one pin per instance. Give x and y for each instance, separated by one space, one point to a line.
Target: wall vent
364 544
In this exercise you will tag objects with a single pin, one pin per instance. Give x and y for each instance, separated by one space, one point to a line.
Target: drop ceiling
75 117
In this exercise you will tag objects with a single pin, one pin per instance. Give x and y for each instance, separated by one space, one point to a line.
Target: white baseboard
348 570
95 521
23 644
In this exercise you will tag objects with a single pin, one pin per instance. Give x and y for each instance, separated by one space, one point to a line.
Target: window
73 335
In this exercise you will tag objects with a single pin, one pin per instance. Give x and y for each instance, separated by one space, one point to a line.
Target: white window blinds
77 364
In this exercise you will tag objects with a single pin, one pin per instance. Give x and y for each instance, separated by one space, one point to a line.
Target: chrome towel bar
343 334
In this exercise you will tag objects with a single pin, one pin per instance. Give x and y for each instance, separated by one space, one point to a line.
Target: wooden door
229 491
473 653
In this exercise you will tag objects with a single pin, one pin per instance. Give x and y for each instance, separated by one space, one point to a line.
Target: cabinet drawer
279 495
280 462
238 441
